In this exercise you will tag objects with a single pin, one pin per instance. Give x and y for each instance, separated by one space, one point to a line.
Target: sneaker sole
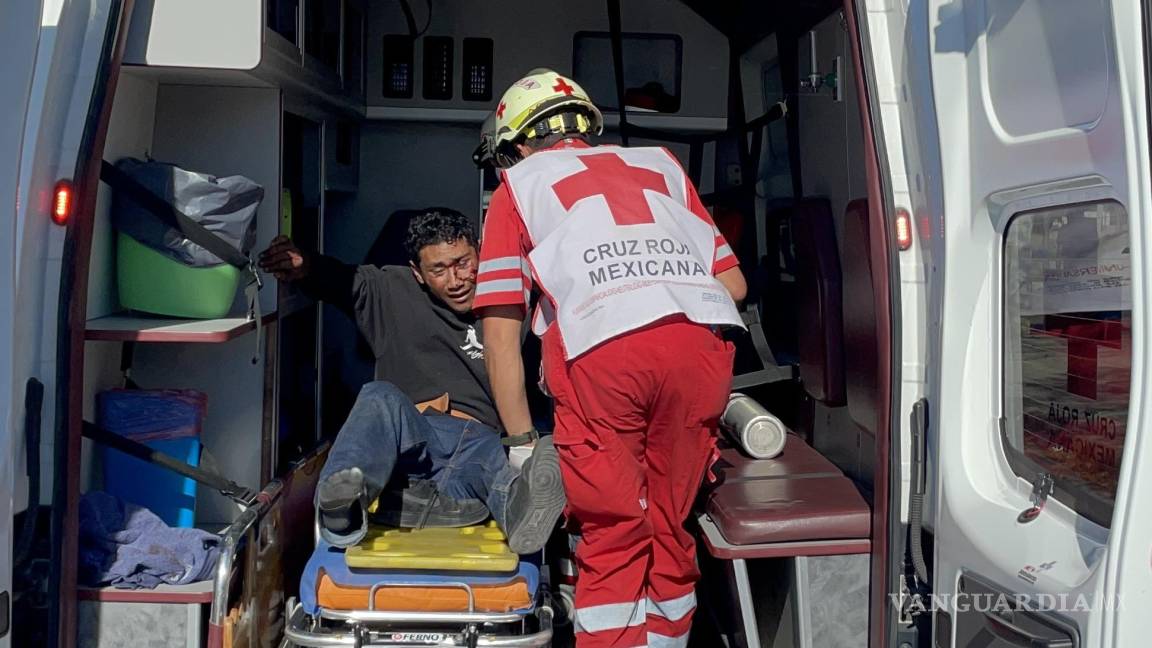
546 501
340 490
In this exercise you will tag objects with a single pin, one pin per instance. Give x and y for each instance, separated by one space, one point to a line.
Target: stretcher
427 587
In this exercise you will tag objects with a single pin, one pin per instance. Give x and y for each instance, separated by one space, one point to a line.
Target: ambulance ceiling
747 22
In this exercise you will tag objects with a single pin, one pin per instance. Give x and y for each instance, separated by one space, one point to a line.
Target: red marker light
62 203
903 229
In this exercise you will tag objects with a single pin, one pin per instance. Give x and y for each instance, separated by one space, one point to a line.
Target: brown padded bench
794 506
797 504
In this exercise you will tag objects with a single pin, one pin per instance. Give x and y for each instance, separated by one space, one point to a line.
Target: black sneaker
340 502
423 505
535 500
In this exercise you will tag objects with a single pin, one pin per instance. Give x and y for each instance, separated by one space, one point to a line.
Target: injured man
424 438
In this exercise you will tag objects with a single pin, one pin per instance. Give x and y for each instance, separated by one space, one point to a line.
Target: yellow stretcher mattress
476 549
506 597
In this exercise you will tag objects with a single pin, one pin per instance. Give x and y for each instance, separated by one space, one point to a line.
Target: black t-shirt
421 345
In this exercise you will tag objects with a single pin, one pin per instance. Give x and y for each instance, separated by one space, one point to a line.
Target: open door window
1067 351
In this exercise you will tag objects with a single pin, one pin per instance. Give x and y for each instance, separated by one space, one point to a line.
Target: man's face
449 271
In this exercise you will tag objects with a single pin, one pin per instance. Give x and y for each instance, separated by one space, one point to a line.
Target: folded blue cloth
129 547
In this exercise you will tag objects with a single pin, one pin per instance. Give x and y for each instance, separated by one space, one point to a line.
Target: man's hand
284 260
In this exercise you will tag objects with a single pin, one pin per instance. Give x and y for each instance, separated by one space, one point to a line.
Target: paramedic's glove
517 455
520 447
284 260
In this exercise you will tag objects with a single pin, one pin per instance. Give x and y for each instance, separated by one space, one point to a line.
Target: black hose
916 512
406 6
916 500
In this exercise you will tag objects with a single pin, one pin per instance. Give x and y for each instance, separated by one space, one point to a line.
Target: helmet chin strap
562 124
508 154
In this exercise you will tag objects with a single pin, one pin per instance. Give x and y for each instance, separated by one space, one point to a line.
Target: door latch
1041 489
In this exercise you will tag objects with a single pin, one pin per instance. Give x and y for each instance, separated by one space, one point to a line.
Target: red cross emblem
500 111
622 185
1085 337
562 86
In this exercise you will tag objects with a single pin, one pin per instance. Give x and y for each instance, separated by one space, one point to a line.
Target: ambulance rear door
1037 387
19 33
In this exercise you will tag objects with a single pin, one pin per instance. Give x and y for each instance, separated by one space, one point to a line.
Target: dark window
652 67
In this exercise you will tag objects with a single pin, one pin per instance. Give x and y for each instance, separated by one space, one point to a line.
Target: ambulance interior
351 113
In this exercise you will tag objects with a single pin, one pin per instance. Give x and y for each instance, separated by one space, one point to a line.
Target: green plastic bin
151 282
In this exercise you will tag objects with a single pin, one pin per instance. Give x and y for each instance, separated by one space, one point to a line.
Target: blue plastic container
166 421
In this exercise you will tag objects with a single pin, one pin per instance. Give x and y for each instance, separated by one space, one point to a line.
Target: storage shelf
195 593
130 327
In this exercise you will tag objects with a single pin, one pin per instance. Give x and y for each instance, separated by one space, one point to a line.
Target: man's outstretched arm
502 327
319 276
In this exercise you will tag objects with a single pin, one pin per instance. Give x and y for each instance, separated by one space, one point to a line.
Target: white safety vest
615 246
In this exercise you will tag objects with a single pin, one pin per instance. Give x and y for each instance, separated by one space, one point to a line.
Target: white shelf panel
129 327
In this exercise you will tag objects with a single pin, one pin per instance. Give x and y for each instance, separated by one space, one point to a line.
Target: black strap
172 217
530 436
225 486
770 371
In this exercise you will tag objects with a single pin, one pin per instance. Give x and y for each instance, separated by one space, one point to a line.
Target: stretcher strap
172 217
225 486
252 294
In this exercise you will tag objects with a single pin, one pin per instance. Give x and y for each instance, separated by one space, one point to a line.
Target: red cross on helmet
543 102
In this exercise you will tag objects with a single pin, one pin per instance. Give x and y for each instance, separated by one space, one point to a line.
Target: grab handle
464 586
1017 636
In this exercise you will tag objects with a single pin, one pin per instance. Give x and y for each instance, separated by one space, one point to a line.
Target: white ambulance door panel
1044 150
19 33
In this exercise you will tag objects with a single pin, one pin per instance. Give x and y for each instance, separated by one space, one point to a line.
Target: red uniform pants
635 430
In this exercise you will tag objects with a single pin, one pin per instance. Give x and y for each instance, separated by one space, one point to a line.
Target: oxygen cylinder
753 428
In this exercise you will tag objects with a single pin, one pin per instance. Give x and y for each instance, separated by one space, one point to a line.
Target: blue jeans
385 432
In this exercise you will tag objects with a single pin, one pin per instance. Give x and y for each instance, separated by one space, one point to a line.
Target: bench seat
765 511
797 497
797 506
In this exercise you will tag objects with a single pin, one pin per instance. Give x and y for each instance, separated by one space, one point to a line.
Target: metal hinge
1042 489
911 604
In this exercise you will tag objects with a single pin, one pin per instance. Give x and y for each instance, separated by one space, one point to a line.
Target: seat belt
193 231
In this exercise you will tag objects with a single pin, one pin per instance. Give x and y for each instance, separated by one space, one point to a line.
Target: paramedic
429 350
637 282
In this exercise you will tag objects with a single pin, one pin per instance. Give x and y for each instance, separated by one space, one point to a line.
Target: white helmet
534 107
